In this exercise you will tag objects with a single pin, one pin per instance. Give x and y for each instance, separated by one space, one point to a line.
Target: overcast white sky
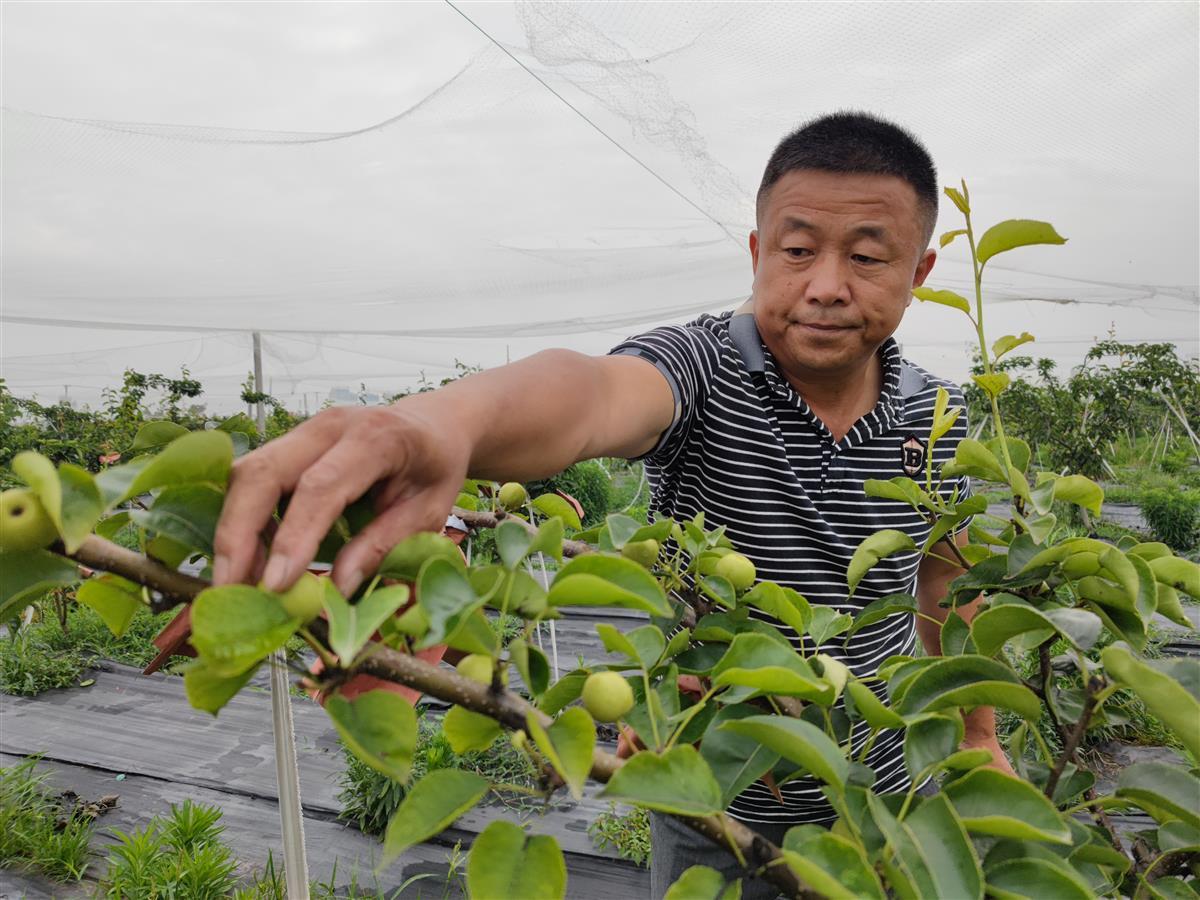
485 181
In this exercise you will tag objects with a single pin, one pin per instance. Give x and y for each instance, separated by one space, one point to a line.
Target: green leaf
597 580
208 691
114 599
1010 342
1036 879
736 761
994 626
1178 573
532 664
430 806
568 745
930 740
197 457
798 741
554 505
1170 887
1018 450
958 199
900 489
968 681
467 730
945 298
1165 696
956 635
642 646
566 690
827 623
697 883
351 626
504 862
784 604
756 661
949 236
870 708
549 539
907 870
990 802
186 513
994 384
621 529
153 435
878 610
236 626
1013 233
1079 490
1166 792
879 545
831 865
678 781
975 459
69 495
25 575
449 601
947 849
512 542
114 482
405 560
379 727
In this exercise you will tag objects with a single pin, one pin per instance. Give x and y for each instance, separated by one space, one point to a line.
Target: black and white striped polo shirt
746 449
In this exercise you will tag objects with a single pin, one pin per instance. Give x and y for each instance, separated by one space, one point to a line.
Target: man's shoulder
917 381
919 388
707 334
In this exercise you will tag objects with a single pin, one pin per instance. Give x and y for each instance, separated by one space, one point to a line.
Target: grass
628 833
270 884
180 855
56 650
369 798
41 832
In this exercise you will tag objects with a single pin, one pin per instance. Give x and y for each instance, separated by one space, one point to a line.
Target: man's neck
840 399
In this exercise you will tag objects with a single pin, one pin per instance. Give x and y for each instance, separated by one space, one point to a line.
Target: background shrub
1173 517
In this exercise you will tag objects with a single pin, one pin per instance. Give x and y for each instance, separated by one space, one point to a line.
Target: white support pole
287 768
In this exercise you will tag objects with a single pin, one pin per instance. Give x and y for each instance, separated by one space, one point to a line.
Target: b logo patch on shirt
912 455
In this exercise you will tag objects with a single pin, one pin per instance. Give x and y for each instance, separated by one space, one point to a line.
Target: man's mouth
823 326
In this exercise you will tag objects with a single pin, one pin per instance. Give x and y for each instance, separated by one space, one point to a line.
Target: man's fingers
326 488
256 483
362 555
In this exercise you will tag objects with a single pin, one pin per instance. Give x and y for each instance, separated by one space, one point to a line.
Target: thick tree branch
1074 736
175 587
446 684
510 710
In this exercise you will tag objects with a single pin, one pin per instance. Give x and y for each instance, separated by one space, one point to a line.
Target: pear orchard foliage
764 708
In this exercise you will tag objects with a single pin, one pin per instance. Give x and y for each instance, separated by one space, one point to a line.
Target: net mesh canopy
383 189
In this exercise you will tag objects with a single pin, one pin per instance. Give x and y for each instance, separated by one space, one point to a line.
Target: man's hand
412 460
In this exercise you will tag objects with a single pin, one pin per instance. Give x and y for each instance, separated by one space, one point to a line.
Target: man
768 420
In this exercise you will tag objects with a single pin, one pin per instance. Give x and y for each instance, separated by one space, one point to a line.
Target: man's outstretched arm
527 420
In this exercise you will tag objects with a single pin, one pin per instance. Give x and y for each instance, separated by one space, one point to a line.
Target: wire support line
575 109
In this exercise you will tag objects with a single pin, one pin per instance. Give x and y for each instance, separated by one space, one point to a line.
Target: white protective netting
479 181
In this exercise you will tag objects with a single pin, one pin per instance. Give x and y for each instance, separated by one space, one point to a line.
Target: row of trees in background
1127 403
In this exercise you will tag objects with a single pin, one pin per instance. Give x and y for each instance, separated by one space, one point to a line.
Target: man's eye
797 251
866 260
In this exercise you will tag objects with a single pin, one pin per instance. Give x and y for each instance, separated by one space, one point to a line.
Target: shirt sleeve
688 357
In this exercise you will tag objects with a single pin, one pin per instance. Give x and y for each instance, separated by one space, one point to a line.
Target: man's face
835 260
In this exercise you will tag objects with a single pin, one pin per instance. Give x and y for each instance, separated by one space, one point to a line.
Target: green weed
38 831
369 798
628 833
180 855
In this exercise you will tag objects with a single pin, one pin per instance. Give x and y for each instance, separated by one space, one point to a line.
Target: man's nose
828 283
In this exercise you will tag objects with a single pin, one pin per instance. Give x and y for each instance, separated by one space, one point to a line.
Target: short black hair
856 143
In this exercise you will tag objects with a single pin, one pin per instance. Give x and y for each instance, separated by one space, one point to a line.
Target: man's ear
754 251
924 267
